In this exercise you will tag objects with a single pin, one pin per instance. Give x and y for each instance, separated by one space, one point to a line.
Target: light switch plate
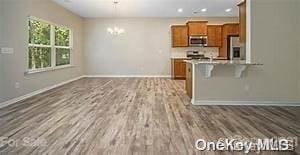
7 50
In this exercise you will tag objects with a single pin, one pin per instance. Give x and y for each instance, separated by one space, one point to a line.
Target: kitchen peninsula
198 71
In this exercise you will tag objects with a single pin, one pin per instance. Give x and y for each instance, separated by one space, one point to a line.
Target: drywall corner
1 44
14 25
298 49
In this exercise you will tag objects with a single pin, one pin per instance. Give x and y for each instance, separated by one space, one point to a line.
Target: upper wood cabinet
228 30
231 29
242 17
197 28
179 36
214 33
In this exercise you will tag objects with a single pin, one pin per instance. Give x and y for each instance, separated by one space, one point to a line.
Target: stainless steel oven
199 41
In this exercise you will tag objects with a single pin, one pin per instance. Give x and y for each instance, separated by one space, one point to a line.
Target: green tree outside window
42 46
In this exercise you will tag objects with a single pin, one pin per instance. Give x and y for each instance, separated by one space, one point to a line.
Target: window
62 46
49 45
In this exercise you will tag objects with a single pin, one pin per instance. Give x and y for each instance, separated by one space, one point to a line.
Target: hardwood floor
133 116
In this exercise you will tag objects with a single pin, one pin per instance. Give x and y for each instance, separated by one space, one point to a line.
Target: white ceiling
151 8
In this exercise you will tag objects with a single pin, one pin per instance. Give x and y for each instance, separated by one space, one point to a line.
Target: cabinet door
242 11
189 80
219 31
231 29
179 67
197 28
179 36
214 33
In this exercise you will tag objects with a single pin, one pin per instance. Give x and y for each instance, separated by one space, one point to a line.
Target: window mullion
53 50
38 45
71 44
63 47
41 51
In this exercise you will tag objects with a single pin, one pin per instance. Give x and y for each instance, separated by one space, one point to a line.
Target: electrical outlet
17 85
6 50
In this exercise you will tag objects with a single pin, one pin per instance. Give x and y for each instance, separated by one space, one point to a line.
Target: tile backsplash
207 51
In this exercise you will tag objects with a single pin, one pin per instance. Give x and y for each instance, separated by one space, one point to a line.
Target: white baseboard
130 76
15 100
196 102
247 103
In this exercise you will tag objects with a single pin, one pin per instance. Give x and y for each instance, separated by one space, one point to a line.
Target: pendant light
115 30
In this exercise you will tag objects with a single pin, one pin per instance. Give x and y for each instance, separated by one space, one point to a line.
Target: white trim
39 45
48 22
248 30
34 71
21 98
52 46
18 99
194 102
129 76
53 49
247 103
193 83
63 47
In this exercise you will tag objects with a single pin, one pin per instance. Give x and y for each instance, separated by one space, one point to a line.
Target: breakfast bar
203 70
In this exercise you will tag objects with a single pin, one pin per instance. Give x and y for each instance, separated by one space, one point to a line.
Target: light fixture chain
115 30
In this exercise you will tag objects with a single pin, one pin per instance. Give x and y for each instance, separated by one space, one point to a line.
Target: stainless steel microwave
199 41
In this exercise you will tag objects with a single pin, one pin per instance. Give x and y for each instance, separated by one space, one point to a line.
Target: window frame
52 46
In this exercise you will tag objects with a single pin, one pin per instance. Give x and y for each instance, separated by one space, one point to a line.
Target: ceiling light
180 10
204 10
115 30
228 10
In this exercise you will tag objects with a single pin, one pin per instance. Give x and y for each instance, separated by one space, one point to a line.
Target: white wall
15 30
299 50
144 49
274 43
1 72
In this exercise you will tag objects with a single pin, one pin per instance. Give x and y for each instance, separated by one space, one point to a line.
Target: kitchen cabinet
231 29
179 36
197 28
178 69
189 80
228 30
242 17
214 34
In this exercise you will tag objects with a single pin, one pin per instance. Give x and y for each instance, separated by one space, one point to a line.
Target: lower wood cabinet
178 69
189 80
183 71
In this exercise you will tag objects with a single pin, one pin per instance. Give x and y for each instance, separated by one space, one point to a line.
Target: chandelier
115 30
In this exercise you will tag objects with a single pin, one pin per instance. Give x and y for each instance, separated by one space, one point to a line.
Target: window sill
47 69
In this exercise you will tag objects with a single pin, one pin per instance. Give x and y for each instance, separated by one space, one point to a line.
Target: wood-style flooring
132 116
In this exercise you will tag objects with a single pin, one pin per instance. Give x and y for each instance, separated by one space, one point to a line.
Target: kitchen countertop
179 58
207 66
217 58
221 62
